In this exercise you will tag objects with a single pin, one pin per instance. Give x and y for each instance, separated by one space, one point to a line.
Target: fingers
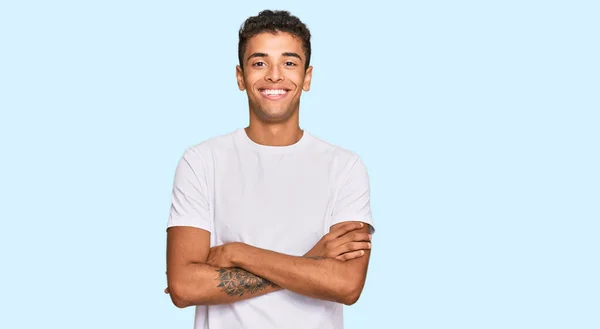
167 288
345 228
338 244
351 247
351 255
354 237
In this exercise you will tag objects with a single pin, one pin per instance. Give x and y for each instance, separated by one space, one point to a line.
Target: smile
274 94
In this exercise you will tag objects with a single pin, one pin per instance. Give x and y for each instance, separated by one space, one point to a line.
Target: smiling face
274 76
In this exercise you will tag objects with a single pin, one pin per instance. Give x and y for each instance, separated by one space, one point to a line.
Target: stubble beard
274 116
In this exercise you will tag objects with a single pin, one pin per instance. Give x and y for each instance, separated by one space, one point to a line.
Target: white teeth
274 92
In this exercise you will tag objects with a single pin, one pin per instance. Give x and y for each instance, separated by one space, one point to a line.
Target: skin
199 275
274 123
334 269
316 276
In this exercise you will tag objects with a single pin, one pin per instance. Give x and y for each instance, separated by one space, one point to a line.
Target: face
274 75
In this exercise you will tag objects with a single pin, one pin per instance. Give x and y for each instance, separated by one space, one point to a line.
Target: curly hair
274 21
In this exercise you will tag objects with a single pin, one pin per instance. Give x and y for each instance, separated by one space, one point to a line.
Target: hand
344 242
167 288
222 256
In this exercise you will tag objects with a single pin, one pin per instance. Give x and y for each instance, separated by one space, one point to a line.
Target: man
269 226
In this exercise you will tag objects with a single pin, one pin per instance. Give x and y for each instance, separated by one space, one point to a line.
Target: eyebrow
292 55
257 55
286 54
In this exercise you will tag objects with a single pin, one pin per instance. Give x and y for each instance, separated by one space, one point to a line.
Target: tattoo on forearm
236 282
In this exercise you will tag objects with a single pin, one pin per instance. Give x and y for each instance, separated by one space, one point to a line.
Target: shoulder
341 157
207 148
199 157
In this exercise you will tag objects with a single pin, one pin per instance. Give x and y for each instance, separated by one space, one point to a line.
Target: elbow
179 303
350 298
351 292
180 295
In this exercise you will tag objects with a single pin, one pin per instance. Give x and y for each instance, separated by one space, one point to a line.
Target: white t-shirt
281 198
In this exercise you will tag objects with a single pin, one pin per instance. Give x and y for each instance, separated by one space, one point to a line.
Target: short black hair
274 21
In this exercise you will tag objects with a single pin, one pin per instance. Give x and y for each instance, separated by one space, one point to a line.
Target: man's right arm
193 282
190 280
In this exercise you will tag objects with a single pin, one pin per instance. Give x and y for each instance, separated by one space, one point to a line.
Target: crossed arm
334 269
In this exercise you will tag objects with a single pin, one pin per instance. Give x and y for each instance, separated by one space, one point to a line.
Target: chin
274 116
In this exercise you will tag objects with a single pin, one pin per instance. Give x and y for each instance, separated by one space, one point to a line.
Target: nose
274 74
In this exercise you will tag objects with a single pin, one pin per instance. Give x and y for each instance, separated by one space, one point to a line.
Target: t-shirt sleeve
353 202
190 204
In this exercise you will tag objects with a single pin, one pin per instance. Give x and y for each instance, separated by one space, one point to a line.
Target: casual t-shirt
281 198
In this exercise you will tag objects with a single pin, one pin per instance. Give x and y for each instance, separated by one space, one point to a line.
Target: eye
259 64
288 63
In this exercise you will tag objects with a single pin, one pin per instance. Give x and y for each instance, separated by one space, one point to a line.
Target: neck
274 134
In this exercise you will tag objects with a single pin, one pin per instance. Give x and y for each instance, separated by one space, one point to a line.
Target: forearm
321 278
202 284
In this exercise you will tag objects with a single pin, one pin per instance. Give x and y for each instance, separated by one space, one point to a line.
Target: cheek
298 80
250 80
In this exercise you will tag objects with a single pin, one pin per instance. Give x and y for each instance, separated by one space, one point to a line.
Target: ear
307 78
239 74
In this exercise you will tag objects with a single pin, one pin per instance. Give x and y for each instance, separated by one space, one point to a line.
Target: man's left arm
327 278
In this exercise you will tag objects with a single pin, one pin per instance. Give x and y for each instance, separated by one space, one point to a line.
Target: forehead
274 44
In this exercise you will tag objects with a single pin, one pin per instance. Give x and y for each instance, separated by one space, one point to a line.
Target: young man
269 226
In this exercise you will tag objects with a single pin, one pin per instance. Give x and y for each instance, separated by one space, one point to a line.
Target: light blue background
478 122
